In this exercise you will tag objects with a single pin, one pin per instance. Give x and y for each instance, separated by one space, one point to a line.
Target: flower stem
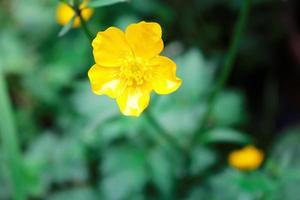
228 64
10 142
84 27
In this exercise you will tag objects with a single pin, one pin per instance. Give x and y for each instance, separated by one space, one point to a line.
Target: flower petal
110 48
64 14
164 80
104 80
145 39
134 100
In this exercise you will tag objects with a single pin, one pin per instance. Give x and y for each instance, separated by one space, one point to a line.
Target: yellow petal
104 80
64 14
110 48
164 80
134 100
87 13
145 39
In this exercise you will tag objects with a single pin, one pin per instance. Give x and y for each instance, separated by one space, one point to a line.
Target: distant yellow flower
128 66
247 158
64 13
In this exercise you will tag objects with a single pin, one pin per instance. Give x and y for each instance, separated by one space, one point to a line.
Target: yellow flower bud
64 14
247 158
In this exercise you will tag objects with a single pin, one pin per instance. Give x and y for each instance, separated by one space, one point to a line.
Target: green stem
84 27
167 136
10 142
228 65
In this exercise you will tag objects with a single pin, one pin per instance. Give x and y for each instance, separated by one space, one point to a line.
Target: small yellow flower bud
64 14
247 158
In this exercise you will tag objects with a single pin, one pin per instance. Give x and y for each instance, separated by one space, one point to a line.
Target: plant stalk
10 143
84 27
227 67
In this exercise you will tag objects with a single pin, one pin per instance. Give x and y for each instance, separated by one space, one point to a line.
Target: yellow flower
128 66
247 158
64 13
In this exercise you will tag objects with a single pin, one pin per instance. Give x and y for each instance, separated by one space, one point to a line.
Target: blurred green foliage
76 145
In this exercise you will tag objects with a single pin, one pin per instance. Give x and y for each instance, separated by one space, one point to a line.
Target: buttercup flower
247 158
128 66
64 13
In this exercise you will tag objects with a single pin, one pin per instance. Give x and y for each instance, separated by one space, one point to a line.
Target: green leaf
15 56
124 172
202 159
67 27
229 108
83 193
240 185
46 165
225 135
284 161
162 171
183 106
101 3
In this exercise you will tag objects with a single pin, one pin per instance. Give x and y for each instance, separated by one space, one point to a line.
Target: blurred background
76 145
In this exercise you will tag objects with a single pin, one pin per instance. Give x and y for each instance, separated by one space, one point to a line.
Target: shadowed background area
77 145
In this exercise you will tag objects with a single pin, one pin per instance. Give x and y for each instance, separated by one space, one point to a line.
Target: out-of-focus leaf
84 193
287 190
15 56
196 74
225 135
162 171
229 109
101 3
5 190
238 185
185 106
121 126
284 159
55 160
256 182
123 21
67 27
283 164
36 19
202 159
124 172
94 106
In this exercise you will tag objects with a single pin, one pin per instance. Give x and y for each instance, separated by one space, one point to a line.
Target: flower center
135 72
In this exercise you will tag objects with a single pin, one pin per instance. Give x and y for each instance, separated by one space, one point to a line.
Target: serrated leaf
101 3
225 135
67 27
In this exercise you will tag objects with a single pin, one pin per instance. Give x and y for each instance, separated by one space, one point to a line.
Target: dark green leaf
101 3
226 135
